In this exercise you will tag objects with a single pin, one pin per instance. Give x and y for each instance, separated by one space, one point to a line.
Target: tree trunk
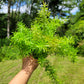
19 10
16 10
29 65
12 10
8 22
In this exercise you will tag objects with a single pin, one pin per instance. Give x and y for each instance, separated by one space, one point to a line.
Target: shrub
1 55
9 53
81 48
77 29
4 41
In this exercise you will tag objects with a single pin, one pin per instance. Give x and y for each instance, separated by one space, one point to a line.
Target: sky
74 10
5 9
23 9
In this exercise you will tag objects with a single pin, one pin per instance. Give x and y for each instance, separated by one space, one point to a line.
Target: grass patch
67 72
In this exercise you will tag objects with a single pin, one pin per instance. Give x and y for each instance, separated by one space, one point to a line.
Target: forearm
21 78
28 66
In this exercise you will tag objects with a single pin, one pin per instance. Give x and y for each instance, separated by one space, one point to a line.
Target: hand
29 64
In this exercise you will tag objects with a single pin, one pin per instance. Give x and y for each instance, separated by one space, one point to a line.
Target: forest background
73 24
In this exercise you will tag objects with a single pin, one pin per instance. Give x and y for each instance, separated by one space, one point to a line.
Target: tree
1 4
32 7
58 6
81 5
20 1
8 22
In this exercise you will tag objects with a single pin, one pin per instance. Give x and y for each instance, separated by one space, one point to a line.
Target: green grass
68 73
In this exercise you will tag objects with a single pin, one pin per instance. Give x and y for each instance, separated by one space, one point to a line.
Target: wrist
29 64
27 71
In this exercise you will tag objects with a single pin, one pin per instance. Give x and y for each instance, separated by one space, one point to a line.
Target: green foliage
1 55
37 40
76 30
50 70
4 41
26 19
75 18
76 27
65 48
81 47
9 53
81 5
3 23
40 40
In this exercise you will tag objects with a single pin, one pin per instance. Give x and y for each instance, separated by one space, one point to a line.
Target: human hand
29 64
